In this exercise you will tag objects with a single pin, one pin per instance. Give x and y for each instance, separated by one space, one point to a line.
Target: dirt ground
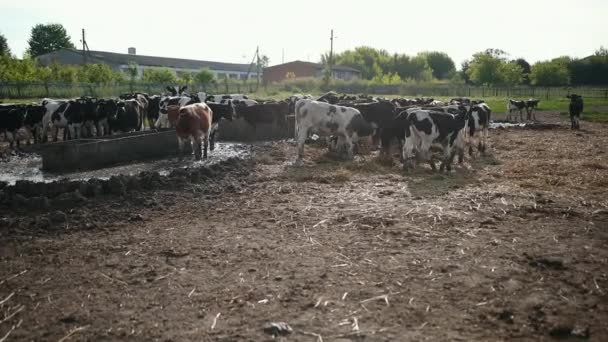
510 246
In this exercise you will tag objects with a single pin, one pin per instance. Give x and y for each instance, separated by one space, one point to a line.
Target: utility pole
283 57
331 54
257 53
85 48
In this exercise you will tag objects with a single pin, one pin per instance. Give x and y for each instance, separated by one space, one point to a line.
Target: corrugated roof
153 61
321 66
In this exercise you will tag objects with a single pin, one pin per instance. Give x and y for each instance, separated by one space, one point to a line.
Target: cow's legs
407 152
300 140
205 144
55 133
213 130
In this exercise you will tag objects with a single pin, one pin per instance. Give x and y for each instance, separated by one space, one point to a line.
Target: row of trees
26 70
489 67
380 65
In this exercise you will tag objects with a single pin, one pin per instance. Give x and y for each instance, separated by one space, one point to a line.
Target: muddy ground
510 246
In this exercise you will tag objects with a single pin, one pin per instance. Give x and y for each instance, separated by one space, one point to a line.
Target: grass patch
591 116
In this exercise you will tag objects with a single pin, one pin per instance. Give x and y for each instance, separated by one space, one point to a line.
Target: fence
70 90
475 91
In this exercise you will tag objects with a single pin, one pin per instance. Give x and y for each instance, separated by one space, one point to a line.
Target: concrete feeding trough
101 152
95 153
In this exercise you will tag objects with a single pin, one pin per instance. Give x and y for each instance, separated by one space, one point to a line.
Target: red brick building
298 69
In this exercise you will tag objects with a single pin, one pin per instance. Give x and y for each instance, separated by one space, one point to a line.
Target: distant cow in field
514 106
325 119
531 105
423 128
575 109
194 123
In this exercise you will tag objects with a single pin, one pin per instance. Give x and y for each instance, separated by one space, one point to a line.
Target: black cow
33 121
127 116
11 123
576 109
153 108
89 115
273 113
226 111
381 115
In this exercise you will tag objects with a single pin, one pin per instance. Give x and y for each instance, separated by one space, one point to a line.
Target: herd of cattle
417 124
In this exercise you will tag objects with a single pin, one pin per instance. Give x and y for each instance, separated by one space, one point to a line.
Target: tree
441 64
550 73
464 68
132 72
4 49
203 77
491 67
95 73
511 73
184 77
159 75
485 69
264 61
48 38
525 66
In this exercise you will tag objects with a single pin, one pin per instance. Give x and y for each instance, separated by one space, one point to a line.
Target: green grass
592 116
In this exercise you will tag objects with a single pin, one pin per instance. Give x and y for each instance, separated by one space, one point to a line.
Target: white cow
325 119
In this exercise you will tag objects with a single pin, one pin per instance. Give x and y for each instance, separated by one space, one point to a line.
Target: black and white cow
575 109
176 90
105 110
424 127
127 116
33 121
478 127
325 119
514 106
165 102
531 104
54 116
89 114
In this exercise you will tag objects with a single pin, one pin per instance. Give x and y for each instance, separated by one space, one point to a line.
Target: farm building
120 61
297 69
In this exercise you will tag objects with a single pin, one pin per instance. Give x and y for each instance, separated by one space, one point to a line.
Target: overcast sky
229 31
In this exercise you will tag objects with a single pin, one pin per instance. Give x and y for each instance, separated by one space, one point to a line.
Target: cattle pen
250 246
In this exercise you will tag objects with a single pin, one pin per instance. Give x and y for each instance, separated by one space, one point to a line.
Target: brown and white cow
325 119
194 123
